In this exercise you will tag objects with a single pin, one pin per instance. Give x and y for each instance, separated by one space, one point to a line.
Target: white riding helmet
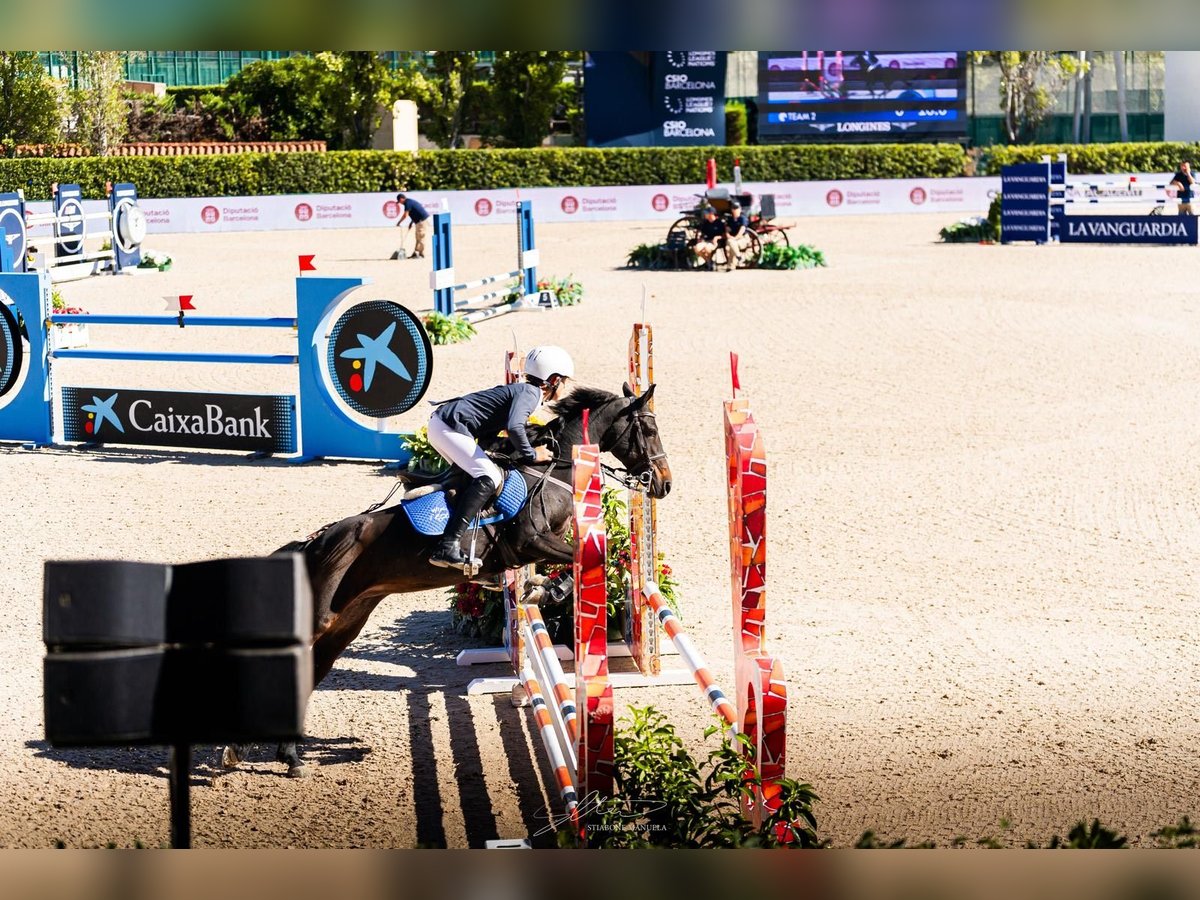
547 360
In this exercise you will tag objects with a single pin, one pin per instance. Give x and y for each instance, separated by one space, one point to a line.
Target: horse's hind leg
232 755
290 754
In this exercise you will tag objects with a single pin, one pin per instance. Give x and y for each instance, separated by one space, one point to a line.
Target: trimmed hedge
1096 159
365 171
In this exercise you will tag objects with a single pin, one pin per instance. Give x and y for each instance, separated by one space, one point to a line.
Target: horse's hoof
303 770
230 758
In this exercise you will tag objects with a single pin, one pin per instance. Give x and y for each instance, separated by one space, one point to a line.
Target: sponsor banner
201 420
1128 229
1025 200
965 196
688 98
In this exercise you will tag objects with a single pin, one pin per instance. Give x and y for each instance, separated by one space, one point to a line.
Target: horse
354 563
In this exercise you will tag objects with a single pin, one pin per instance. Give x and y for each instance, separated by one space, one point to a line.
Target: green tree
450 88
528 91
1027 80
99 112
281 100
361 85
29 101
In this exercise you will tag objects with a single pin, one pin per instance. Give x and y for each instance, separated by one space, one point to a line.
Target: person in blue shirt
457 426
1184 179
418 222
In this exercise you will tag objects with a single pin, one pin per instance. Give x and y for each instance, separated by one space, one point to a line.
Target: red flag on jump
585 424
737 384
306 263
179 302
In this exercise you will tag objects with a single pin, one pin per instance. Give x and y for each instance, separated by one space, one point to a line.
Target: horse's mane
579 398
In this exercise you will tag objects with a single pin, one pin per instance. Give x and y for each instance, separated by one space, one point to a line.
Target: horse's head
632 437
621 425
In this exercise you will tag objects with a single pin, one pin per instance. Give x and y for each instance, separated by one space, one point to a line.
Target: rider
457 425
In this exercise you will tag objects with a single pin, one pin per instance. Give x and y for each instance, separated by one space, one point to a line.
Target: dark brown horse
355 563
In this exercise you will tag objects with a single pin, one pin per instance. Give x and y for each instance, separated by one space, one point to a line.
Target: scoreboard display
861 95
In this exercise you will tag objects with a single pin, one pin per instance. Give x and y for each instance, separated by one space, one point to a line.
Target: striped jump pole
691 657
575 726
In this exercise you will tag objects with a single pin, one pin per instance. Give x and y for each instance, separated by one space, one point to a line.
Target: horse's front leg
553 589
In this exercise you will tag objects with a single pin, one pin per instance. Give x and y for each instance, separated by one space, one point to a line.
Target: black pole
180 764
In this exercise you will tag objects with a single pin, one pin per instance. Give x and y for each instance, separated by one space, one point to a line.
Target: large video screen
861 95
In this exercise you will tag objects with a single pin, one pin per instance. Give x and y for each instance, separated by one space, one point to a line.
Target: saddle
428 507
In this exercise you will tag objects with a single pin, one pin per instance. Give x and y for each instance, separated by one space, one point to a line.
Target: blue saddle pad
430 514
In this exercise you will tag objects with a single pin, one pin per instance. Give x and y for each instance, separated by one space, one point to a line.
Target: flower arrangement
660 256
66 336
153 259
444 329
972 230
424 457
59 304
566 290
799 256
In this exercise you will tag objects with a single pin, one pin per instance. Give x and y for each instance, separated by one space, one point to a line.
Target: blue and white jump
324 425
124 228
1034 201
445 292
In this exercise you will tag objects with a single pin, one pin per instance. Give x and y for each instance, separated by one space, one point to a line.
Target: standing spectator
1184 181
736 239
711 235
418 222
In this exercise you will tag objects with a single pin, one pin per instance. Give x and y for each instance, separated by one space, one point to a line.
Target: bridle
634 481
639 481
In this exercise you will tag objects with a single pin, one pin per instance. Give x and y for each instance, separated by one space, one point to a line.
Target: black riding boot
449 552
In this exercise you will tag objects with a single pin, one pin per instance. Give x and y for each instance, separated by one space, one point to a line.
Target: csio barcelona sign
1128 229
262 424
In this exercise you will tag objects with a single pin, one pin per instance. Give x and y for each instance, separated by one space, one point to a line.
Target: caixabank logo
379 359
200 420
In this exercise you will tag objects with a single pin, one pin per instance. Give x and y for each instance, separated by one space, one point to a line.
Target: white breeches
462 450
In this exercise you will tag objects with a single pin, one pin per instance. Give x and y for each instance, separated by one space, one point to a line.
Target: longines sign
265 424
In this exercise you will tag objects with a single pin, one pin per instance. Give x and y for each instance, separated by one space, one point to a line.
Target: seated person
712 235
736 240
